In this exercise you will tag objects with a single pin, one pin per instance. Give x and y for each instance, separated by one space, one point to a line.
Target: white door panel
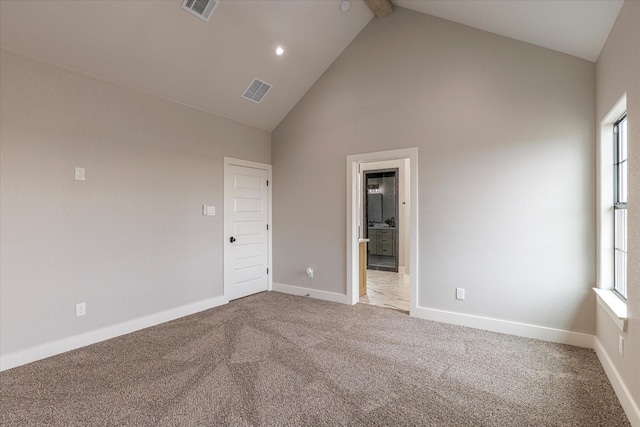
252 274
248 206
248 251
246 234
249 182
248 228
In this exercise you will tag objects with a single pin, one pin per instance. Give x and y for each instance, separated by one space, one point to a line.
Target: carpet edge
619 387
312 293
506 327
42 351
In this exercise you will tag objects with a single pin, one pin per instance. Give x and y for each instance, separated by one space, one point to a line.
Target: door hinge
267 226
267 271
267 183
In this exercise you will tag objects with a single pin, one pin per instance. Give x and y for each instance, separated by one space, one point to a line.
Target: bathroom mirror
374 207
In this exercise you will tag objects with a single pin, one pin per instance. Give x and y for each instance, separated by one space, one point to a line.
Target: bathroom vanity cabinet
382 241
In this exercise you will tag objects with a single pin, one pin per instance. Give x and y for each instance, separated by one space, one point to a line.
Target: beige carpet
273 359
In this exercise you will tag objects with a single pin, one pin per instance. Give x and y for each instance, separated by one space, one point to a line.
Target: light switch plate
208 210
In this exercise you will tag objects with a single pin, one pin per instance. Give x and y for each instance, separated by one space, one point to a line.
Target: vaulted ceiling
158 48
575 27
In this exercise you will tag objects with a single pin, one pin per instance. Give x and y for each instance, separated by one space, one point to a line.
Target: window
620 206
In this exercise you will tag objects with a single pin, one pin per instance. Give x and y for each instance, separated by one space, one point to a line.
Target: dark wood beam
381 8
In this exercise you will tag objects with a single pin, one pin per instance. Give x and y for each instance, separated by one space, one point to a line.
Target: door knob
232 239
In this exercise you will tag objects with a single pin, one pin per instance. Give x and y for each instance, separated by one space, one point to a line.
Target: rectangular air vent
203 9
256 91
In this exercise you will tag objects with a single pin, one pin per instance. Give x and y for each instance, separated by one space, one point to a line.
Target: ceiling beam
380 8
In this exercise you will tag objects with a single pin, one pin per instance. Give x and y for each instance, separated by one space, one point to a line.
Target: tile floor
387 289
381 261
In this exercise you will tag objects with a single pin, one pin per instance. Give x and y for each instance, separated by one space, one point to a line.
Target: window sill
614 307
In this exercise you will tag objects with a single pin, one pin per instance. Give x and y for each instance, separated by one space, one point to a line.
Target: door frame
228 162
352 220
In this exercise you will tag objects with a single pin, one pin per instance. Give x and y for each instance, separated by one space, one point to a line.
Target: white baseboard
312 293
630 407
506 327
32 354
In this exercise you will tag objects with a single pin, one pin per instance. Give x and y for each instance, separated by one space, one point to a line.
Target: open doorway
384 217
404 224
381 224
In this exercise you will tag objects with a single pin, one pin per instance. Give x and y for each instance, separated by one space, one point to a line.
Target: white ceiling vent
203 9
256 91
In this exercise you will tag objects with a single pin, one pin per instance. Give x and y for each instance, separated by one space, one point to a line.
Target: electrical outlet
460 293
79 174
620 345
310 272
81 309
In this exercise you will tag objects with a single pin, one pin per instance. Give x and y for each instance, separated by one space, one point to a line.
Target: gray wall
617 73
129 241
505 133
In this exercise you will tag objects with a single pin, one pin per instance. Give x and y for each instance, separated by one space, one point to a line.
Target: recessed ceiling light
279 50
345 5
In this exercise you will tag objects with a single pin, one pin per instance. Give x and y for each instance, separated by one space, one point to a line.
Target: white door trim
230 161
352 220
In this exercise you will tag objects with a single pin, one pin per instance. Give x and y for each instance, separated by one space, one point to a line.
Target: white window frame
620 184
612 304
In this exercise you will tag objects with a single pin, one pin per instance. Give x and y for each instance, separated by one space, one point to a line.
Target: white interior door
246 224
